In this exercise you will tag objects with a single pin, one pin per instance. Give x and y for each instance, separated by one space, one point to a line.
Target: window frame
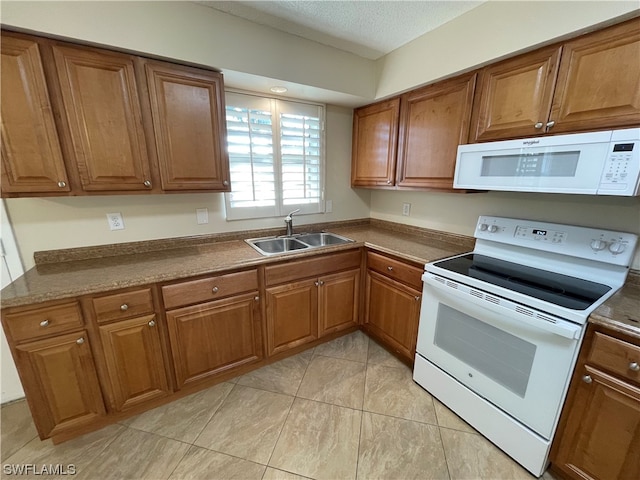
279 209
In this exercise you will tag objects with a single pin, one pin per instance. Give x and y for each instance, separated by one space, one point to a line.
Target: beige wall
191 32
493 30
52 223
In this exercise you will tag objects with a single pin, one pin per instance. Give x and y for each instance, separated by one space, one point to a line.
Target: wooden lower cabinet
292 315
307 299
61 384
392 313
338 304
211 338
134 361
599 431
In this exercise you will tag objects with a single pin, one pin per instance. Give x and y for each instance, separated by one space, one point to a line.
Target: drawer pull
634 366
587 379
152 323
390 269
80 341
44 323
215 289
124 307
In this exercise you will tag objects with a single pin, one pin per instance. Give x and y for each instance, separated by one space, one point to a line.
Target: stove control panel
583 242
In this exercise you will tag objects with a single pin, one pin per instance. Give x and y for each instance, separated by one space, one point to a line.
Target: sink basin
323 239
272 246
277 245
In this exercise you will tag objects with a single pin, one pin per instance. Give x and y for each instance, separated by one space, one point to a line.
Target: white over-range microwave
594 163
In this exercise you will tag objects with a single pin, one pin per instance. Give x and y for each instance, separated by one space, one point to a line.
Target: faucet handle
291 213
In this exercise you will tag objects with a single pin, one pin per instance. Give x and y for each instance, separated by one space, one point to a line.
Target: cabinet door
338 301
103 112
31 156
599 81
60 380
292 315
513 98
188 112
134 361
213 337
434 121
392 313
375 141
601 439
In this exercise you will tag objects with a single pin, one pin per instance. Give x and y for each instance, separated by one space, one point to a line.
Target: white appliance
595 163
500 327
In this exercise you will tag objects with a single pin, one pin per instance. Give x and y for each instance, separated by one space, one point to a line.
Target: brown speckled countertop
72 278
70 273
621 312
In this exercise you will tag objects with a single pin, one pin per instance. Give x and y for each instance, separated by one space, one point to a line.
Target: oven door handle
565 330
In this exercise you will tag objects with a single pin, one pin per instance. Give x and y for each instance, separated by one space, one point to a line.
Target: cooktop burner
563 290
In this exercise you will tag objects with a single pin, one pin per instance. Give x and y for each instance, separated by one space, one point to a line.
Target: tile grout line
233 385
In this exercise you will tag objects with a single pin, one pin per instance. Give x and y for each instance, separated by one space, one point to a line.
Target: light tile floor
344 410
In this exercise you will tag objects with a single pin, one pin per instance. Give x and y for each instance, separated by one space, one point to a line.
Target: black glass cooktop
562 290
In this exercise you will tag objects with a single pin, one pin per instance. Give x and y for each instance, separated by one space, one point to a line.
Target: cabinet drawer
395 269
617 356
44 321
210 288
312 267
123 305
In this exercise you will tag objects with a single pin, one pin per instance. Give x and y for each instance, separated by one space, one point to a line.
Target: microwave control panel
621 169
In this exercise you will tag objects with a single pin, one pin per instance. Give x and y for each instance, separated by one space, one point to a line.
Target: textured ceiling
366 28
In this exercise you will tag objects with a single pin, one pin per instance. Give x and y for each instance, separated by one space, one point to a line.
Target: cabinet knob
152 323
62 184
44 323
538 125
417 298
80 341
551 124
147 183
124 307
256 298
215 289
634 366
321 282
388 182
225 183
390 269
317 284
587 379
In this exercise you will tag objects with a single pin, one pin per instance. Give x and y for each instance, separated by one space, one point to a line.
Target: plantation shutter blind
276 157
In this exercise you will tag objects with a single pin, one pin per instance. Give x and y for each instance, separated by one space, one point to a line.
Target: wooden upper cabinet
103 113
599 80
188 112
31 156
375 141
513 97
434 121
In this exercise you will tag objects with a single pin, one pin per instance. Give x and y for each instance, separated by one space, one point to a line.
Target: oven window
503 357
543 164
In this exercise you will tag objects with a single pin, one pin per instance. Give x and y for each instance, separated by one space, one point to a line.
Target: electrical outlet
328 206
202 216
406 209
115 221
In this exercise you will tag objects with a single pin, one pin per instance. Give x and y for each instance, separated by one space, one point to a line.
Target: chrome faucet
289 222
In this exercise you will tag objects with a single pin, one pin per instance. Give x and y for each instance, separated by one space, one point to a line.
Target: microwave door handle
570 332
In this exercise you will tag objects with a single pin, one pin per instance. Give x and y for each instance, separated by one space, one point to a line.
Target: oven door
498 349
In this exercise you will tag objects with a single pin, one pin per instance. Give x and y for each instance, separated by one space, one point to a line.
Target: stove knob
493 228
617 247
483 227
597 245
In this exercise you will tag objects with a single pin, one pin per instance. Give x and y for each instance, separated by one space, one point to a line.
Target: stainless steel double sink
296 243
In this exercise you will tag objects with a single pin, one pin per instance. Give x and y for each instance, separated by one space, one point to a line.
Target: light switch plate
406 209
202 216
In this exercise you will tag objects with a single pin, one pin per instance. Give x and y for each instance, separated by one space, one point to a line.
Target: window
276 157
